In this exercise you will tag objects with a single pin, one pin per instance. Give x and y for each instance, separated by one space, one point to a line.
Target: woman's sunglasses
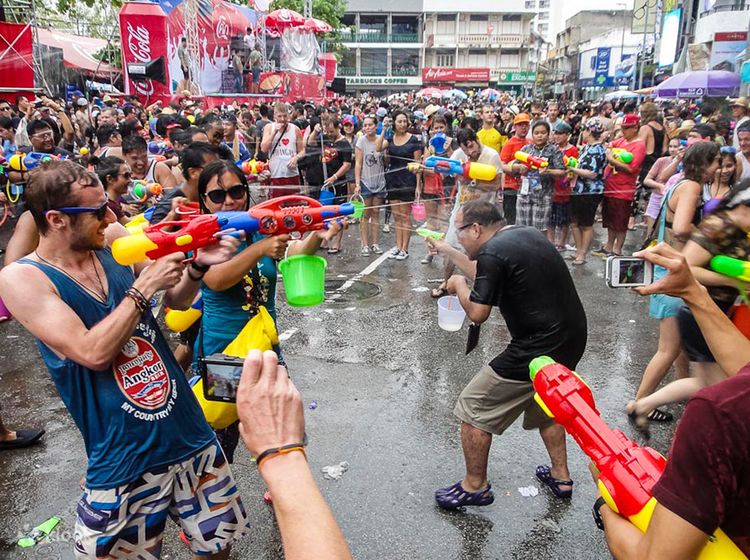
236 192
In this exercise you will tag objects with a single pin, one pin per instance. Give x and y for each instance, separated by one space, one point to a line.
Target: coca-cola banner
452 75
143 30
221 31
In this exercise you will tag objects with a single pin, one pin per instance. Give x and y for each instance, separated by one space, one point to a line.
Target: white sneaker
376 250
387 228
427 259
393 253
402 256
365 252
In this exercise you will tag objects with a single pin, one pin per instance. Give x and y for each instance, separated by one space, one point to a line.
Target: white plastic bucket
450 314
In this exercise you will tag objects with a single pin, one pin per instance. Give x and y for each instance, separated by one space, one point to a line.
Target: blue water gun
21 162
160 149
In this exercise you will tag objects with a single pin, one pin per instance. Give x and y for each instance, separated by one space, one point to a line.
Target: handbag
259 333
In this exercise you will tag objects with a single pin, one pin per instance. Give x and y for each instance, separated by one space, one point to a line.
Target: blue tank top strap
138 413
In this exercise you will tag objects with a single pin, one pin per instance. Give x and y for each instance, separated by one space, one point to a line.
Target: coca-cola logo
139 50
222 28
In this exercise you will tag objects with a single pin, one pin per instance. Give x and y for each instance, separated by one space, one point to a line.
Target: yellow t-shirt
491 138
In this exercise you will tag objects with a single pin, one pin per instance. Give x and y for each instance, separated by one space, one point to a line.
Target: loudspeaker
151 70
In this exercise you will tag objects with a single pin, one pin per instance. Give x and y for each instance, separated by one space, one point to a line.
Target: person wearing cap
489 135
620 185
512 176
560 213
740 109
588 188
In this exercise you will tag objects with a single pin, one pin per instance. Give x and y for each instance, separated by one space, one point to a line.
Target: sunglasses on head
98 211
236 192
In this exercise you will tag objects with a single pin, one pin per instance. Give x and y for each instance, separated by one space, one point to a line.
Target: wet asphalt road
385 379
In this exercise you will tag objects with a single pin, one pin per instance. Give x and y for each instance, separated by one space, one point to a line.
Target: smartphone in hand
628 272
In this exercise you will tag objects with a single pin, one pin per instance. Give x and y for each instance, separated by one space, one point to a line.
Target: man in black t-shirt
518 270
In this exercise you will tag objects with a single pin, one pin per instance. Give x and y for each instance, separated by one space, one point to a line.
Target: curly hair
697 158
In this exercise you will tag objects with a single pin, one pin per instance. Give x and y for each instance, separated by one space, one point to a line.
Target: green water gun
734 268
428 233
39 532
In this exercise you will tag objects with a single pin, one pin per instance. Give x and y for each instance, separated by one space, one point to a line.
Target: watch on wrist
597 514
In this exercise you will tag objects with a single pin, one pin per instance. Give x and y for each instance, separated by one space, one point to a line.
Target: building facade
383 43
400 46
570 71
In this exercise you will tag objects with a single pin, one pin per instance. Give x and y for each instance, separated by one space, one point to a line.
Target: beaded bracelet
280 451
140 301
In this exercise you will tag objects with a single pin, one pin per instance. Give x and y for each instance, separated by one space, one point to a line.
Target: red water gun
627 472
532 162
277 216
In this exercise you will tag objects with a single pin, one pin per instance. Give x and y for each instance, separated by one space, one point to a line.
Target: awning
77 51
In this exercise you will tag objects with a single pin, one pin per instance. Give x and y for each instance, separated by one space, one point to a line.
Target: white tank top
745 166
150 177
286 149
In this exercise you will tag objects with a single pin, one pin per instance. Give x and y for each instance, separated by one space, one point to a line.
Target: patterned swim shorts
127 522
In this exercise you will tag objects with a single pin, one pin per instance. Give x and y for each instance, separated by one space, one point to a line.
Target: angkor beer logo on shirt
142 375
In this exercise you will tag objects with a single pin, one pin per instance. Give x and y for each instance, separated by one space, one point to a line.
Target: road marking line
369 269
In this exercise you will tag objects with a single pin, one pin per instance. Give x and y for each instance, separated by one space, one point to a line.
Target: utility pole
307 10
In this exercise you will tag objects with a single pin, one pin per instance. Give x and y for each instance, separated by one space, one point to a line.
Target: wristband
283 450
202 268
597 514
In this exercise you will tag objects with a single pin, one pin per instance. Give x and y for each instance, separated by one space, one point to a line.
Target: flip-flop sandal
578 263
24 438
657 415
544 475
439 292
333 251
454 497
267 498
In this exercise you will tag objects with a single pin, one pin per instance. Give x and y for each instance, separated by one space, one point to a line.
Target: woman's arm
358 159
223 276
700 261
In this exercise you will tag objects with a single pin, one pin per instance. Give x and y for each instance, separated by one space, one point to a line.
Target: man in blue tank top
151 454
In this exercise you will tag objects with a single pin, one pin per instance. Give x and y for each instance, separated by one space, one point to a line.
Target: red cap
631 119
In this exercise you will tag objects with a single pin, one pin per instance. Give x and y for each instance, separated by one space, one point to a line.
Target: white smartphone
628 272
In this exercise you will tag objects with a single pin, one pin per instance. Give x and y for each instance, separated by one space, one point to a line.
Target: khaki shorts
492 403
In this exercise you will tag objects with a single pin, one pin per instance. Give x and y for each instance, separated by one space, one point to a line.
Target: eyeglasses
127 175
236 192
44 135
463 227
5 108
98 211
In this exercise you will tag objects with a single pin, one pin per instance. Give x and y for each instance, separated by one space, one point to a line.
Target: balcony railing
373 71
405 72
404 38
484 39
380 38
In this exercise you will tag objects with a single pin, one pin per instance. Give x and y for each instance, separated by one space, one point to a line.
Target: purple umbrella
711 83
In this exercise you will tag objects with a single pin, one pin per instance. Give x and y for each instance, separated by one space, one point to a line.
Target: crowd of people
674 178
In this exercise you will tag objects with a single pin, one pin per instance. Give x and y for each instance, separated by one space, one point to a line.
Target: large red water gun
277 216
628 472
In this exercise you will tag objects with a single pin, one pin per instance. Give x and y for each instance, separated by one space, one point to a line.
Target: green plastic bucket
359 207
304 280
